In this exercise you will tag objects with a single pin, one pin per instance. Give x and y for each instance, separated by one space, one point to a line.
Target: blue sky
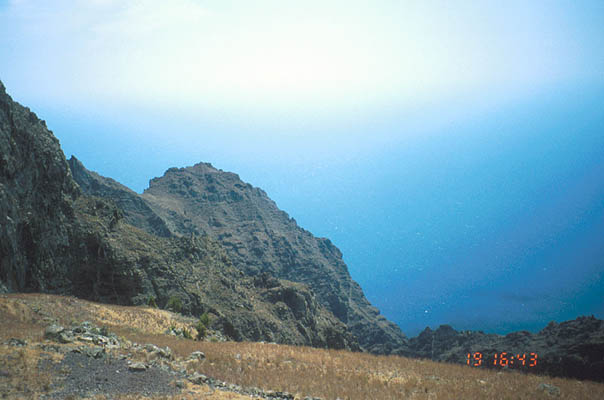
452 150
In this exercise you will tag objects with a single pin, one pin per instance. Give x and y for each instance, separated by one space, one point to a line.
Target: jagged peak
74 161
204 167
199 170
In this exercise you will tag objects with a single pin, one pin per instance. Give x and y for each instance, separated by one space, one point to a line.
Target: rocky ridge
36 197
135 210
570 349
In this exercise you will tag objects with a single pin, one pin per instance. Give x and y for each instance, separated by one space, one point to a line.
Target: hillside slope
31 365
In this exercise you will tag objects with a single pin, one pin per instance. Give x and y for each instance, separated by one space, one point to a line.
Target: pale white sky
262 57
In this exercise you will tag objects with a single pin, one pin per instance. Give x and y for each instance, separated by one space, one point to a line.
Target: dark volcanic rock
196 270
570 349
36 195
260 238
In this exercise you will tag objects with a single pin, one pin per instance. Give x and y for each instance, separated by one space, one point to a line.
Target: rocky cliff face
36 196
570 349
260 238
135 266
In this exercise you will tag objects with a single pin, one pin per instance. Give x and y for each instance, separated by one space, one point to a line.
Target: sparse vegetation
205 319
19 373
174 304
201 331
302 371
186 334
202 326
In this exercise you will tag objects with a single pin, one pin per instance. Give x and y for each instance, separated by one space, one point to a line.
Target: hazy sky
452 150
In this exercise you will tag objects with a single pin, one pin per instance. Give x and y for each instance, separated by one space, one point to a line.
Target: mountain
570 349
70 231
260 238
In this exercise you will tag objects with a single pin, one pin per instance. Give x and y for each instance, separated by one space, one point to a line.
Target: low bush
202 326
174 304
152 302
186 334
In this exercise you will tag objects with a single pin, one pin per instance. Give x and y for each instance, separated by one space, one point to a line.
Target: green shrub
174 304
202 331
205 319
202 326
151 302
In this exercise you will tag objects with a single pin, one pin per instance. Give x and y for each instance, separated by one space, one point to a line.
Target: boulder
137 367
53 332
196 355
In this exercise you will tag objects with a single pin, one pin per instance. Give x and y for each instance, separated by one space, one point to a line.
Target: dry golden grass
331 374
144 319
302 371
25 380
45 308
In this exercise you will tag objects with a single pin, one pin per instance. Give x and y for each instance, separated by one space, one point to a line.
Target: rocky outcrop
48 242
260 238
570 349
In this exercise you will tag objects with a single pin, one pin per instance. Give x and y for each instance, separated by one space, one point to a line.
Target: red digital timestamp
502 359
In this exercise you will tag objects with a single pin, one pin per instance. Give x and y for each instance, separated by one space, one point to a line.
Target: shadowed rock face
570 349
36 193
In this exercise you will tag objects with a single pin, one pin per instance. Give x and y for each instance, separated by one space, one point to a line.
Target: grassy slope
301 370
